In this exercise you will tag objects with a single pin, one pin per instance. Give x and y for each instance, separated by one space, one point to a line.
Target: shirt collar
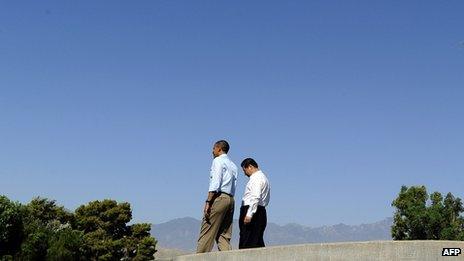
256 173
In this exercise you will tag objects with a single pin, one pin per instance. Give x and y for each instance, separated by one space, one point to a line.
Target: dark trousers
251 235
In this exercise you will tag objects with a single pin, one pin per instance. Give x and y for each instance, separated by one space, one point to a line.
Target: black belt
259 206
220 192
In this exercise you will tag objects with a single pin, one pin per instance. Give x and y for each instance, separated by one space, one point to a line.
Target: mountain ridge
182 233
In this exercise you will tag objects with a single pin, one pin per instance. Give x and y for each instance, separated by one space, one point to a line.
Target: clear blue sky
341 102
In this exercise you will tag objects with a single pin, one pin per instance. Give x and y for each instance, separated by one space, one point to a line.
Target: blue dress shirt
223 175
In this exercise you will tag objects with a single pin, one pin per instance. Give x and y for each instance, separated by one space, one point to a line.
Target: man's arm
254 200
216 176
209 203
211 196
214 185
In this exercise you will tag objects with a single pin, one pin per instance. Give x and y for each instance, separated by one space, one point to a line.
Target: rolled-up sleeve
215 176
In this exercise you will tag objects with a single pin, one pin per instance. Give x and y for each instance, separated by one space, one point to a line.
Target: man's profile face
247 171
216 151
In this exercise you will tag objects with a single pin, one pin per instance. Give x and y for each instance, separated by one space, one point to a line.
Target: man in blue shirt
219 205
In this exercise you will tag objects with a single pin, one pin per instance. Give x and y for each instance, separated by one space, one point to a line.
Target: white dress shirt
223 175
257 192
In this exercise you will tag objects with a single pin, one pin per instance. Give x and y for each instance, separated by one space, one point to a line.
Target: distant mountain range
182 233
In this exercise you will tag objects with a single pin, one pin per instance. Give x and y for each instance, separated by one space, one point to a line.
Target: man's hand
247 220
207 210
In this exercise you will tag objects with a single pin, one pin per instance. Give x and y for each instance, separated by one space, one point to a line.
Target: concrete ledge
359 251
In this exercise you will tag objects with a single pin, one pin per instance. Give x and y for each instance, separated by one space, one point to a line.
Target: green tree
46 225
42 230
454 222
11 228
145 249
416 217
435 217
65 244
139 245
107 235
35 245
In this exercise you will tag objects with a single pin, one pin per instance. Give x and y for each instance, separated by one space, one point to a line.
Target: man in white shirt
253 217
219 206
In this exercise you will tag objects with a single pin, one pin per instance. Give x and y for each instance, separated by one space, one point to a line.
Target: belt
220 192
259 206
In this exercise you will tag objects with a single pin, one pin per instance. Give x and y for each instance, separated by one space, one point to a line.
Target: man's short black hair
249 161
224 145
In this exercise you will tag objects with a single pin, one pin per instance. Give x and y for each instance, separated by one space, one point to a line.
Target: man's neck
256 170
222 153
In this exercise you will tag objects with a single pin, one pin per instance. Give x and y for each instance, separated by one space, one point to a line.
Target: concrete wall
359 251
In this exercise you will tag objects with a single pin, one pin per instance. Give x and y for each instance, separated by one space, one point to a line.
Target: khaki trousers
219 225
